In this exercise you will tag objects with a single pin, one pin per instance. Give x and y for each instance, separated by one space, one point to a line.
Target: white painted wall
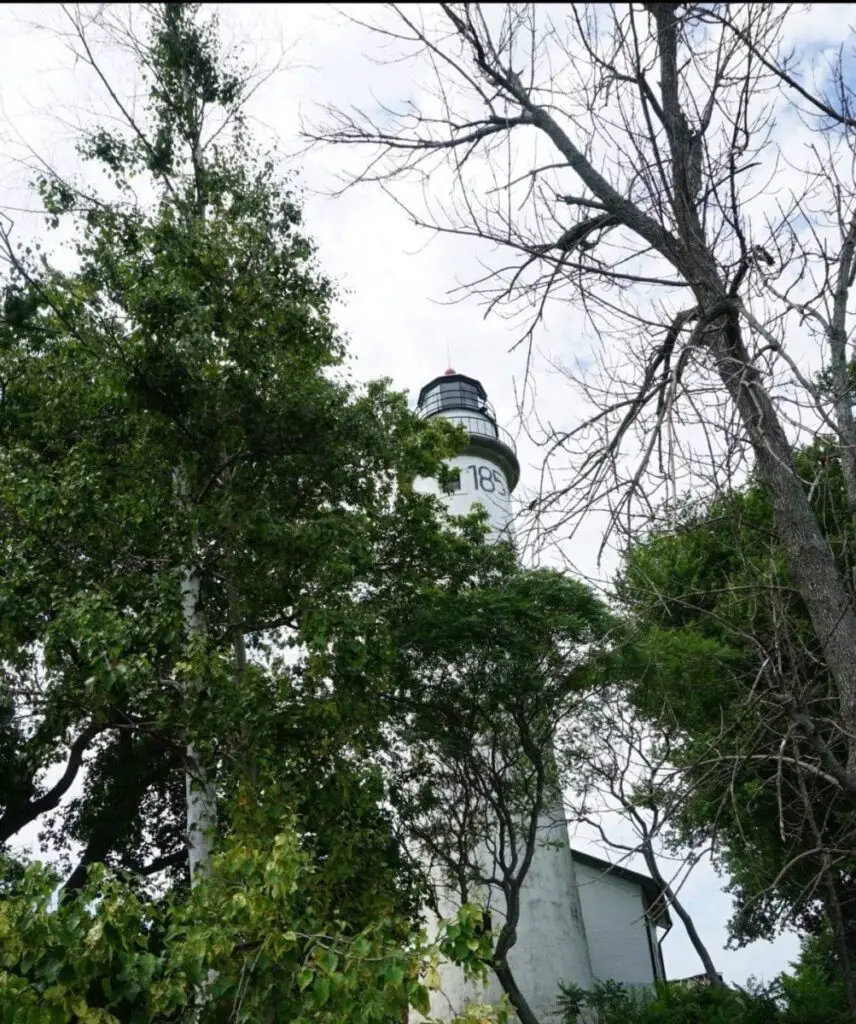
616 927
477 474
551 944
482 479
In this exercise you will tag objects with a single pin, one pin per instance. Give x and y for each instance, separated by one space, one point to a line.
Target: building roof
649 887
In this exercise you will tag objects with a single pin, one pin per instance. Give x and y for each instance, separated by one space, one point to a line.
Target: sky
394 279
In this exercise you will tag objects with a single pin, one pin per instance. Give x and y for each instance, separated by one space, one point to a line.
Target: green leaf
393 974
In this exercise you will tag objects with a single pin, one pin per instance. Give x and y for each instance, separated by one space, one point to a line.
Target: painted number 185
487 479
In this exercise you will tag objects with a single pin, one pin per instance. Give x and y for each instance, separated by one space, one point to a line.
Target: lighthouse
487 471
551 942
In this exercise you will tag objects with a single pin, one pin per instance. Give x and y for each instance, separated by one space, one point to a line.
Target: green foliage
104 955
466 941
607 1003
503 658
791 999
814 992
176 418
718 635
174 407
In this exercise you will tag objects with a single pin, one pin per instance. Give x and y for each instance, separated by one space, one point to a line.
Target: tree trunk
809 556
201 796
505 976
678 907
839 931
836 337
810 559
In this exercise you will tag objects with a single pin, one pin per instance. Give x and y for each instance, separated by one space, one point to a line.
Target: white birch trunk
201 796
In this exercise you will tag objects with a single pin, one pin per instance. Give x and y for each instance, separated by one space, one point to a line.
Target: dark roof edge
501 451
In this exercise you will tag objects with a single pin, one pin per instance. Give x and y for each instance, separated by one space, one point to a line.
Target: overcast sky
395 279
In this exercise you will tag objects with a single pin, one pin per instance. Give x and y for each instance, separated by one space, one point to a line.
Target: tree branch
16 818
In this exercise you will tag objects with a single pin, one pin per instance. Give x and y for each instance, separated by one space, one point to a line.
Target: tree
486 677
613 762
651 131
804 996
727 657
195 506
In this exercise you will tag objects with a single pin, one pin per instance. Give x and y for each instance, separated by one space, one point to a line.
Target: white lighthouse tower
551 937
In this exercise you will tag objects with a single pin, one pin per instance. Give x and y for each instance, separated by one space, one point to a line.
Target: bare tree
613 763
627 160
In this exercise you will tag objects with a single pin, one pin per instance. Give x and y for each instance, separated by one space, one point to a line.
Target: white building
582 920
625 921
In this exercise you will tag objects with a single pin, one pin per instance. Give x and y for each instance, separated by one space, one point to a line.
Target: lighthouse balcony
462 400
480 426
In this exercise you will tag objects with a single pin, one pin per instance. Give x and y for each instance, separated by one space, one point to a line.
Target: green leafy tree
487 676
675 1003
813 992
798 998
240 948
726 654
197 508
